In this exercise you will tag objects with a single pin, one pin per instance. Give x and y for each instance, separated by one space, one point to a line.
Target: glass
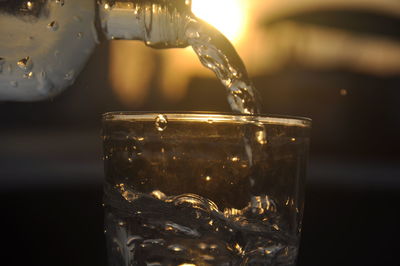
203 189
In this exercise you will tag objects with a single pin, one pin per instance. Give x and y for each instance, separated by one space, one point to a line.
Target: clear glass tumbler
203 189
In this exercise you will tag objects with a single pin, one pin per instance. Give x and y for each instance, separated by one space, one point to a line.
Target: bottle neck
159 23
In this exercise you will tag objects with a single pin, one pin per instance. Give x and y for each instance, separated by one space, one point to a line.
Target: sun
228 16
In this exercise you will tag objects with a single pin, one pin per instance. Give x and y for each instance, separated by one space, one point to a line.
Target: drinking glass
203 189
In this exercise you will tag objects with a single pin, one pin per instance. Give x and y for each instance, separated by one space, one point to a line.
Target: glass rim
207 116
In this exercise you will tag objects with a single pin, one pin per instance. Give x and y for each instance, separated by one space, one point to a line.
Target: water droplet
53 25
276 227
29 75
25 63
29 5
235 159
161 122
14 83
79 35
121 223
176 248
70 75
60 2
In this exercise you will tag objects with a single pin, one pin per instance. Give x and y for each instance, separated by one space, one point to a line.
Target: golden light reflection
135 69
228 16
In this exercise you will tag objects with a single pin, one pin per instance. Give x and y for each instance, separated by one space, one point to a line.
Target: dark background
51 168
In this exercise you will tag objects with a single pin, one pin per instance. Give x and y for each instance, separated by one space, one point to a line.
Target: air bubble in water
176 248
25 63
121 223
261 137
161 122
53 25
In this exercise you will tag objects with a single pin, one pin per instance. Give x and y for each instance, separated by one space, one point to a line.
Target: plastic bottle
44 44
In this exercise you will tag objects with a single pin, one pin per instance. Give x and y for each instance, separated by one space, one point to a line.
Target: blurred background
335 61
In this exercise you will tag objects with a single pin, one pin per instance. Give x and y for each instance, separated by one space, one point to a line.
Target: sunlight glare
228 16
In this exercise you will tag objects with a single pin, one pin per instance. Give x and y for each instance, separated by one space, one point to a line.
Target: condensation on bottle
44 44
